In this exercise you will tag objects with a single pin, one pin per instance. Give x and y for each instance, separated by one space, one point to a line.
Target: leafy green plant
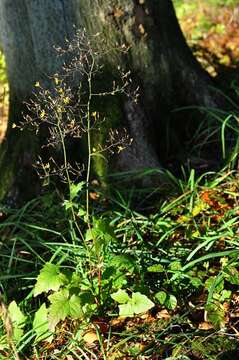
131 306
76 259
14 322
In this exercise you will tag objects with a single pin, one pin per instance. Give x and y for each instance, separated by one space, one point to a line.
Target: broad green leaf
161 297
123 262
105 230
126 310
18 320
75 307
99 244
59 308
216 314
50 278
119 281
121 296
171 302
138 304
17 333
75 280
62 305
156 268
40 325
141 303
16 314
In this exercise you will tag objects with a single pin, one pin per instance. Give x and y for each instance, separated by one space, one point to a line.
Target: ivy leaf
121 296
196 282
62 305
40 325
141 303
50 278
81 212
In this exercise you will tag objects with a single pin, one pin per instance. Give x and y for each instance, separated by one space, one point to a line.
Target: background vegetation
147 272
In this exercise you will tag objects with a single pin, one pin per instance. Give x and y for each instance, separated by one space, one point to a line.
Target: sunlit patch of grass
187 248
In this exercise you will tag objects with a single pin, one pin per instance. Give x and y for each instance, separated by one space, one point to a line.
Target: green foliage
15 322
75 259
40 325
18 320
3 75
131 306
63 305
168 300
50 278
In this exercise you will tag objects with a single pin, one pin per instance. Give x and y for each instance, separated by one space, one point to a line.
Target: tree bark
29 31
165 69
159 59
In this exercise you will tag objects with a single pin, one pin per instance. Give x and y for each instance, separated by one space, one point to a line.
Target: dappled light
119 185
212 31
4 98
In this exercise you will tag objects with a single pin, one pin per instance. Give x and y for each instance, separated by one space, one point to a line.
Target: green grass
183 256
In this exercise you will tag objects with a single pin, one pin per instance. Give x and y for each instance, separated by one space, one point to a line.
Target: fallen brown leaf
90 337
205 325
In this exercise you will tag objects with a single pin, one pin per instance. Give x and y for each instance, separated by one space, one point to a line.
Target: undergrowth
96 274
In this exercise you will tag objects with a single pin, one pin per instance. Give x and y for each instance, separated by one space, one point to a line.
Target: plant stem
89 138
73 217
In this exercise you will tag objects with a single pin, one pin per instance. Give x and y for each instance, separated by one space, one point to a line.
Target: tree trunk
162 65
29 30
159 59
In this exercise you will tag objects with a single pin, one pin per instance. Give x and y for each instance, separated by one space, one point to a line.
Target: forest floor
213 34
172 264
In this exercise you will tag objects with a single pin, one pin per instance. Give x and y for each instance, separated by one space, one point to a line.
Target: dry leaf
90 337
205 325
94 196
163 314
